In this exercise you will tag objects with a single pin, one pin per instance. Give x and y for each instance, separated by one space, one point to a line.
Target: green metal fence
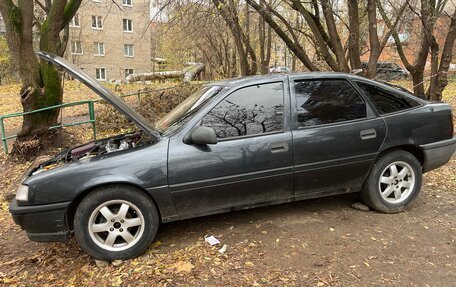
91 120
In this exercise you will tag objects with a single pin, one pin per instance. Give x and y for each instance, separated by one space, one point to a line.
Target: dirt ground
321 242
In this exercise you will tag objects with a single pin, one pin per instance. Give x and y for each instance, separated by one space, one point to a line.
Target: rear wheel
393 183
115 222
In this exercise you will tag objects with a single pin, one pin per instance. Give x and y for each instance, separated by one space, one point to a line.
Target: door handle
278 147
368 134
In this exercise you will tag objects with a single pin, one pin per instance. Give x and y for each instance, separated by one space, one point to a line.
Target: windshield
176 118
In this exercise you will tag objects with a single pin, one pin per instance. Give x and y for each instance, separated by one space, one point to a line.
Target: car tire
393 183
116 222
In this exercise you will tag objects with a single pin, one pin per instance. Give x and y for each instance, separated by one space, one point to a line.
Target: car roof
259 79
241 81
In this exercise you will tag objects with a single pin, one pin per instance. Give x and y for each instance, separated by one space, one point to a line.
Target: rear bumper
438 153
42 223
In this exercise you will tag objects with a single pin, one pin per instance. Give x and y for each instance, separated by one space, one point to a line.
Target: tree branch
292 45
69 11
400 48
42 6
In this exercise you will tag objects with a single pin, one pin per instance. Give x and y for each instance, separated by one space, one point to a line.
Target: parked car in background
279 69
388 71
232 145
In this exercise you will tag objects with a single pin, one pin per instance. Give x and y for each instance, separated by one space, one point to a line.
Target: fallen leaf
183 266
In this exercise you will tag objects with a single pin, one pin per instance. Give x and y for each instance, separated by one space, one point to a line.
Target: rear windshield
387 102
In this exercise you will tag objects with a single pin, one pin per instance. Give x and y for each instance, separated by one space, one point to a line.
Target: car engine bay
94 149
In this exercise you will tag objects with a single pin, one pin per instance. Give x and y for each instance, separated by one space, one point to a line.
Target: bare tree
427 12
288 36
441 80
229 10
354 36
324 28
265 41
376 44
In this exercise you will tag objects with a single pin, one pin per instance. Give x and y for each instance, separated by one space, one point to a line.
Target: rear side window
248 111
387 102
321 102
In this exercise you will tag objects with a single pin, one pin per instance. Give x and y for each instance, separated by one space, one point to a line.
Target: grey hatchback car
235 144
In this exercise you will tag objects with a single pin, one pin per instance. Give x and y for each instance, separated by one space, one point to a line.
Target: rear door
250 164
336 136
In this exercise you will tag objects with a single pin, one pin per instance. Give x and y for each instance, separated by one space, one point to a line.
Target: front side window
127 25
97 22
100 74
126 2
76 47
99 48
248 111
128 50
387 102
320 102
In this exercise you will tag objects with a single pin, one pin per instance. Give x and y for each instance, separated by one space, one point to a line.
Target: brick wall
113 36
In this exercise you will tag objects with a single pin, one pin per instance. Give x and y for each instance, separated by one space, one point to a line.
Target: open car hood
102 91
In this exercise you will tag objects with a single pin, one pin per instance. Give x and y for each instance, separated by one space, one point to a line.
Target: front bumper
438 153
42 223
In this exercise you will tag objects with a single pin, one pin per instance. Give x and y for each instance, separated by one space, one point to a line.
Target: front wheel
115 222
393 183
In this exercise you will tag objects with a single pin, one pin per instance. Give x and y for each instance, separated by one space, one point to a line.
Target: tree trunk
334 36
417 68
41 82
292 44
262 42
353 37
418 83
47 93
323 43
447 56
228 11
430 94
374 42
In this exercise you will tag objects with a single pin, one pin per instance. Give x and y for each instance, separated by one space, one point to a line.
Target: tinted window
387 102
248 111
327 101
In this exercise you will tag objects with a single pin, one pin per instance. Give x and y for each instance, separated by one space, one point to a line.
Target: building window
129 72
127 25
101 74
75 21
97 22
128 50
99 49
76 47
126 2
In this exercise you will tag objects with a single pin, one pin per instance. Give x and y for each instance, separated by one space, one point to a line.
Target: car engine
94 149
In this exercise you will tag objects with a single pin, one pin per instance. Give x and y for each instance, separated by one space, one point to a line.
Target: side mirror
201 135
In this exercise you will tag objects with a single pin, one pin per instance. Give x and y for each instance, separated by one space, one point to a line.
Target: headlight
22 193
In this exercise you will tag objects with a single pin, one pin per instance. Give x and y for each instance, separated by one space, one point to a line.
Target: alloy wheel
116 225
396 182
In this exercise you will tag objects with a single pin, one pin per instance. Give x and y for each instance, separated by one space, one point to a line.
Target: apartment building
110 39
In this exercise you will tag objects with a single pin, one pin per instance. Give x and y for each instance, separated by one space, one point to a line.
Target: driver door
251 163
